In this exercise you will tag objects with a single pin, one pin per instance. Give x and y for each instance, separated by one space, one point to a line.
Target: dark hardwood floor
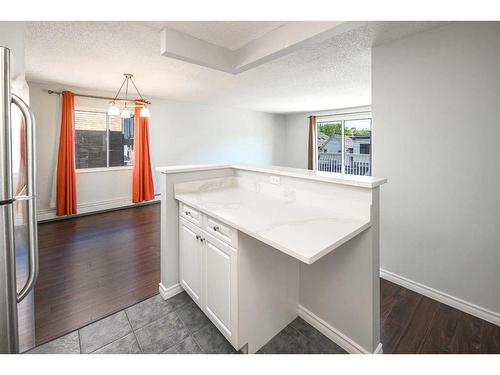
412 323
95 265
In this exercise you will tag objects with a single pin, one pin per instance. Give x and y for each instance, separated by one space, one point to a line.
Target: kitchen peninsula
256 246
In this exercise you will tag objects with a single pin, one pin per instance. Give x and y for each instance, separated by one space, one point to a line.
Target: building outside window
102 141
343 144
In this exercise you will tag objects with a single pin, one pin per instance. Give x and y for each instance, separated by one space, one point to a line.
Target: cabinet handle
198 237
216 228
187 213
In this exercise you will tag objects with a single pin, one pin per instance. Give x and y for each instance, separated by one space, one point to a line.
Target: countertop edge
307 260
336 178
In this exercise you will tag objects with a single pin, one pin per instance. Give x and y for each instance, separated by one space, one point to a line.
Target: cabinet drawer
190 214
221 231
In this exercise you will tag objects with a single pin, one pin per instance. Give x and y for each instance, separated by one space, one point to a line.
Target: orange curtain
311 143
66 177
21 174
142 188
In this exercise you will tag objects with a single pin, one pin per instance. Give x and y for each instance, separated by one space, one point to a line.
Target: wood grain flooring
95 265
412 323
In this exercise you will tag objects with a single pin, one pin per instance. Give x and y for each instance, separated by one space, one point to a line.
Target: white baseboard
457 303
171 291
334 334
91 207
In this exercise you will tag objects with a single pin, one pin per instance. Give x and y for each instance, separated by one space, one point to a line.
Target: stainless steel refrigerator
18 225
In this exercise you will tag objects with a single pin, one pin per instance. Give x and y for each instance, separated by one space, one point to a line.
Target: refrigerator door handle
31 196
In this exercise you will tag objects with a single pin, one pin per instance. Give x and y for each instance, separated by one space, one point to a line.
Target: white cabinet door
220 299
190 253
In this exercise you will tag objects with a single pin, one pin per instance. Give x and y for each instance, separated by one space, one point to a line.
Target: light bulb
145 112
125 113
113 110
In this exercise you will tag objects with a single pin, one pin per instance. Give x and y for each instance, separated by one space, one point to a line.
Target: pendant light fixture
114 110
145 112
125 113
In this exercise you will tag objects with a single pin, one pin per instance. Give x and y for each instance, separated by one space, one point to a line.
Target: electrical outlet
275 180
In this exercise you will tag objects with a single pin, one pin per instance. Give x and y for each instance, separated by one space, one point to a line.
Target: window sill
110 169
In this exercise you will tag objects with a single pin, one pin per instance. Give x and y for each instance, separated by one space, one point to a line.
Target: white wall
186 133
297 134
436 111
12 37
180 133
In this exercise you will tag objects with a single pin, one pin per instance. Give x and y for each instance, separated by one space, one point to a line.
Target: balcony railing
357 164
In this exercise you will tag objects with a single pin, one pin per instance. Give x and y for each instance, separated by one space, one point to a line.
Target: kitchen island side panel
268 298
343 289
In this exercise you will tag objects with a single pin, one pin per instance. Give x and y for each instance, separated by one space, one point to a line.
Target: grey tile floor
176 326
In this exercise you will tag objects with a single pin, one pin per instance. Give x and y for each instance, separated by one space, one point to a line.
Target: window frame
343 117
108 168
104 169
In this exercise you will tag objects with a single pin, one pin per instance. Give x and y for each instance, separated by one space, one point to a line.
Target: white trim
334 334
97 206
379 349
457 303
104 169
336 111
364 115
171 291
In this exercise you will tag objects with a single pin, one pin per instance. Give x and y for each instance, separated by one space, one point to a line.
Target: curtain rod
102 97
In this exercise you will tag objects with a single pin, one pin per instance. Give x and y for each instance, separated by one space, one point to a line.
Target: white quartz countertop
360 181
302 231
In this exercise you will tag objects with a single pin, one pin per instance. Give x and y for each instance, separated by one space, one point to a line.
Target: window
344 144
102 141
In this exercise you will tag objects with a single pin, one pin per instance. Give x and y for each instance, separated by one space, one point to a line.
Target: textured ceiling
333 74
228 34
